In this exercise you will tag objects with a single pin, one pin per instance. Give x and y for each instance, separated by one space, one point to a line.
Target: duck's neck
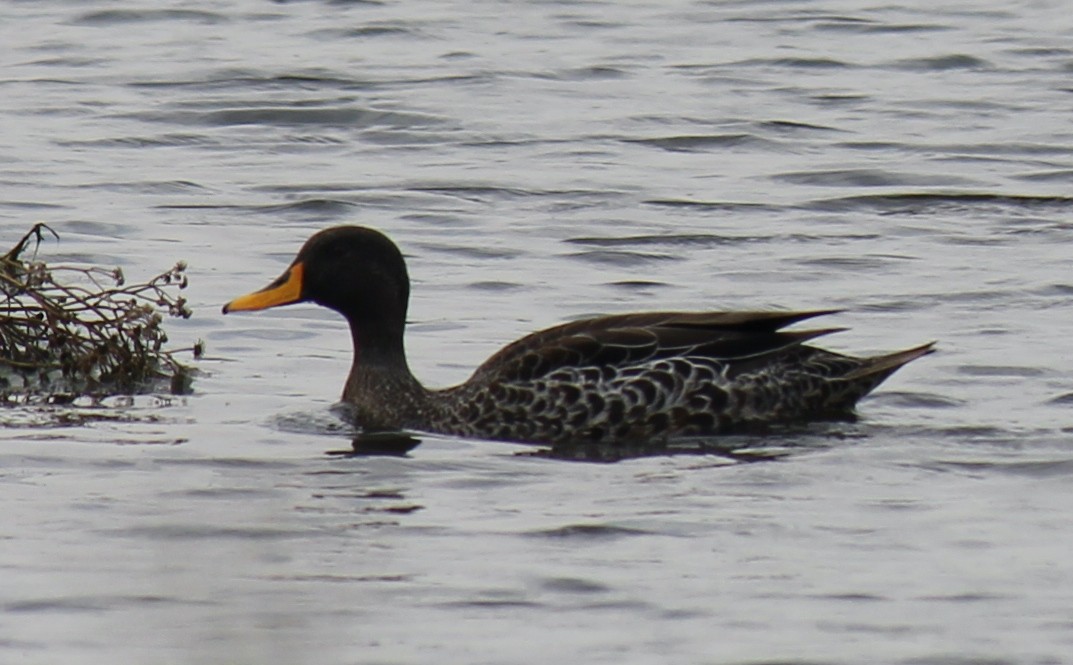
381 387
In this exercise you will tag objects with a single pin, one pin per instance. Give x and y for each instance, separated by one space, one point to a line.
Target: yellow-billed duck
624 377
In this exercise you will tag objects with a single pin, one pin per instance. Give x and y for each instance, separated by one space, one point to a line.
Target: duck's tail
879 368
867 375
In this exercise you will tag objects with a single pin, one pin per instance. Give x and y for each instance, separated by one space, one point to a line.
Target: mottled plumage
625 378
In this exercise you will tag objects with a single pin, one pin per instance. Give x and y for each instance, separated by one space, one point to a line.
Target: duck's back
638 377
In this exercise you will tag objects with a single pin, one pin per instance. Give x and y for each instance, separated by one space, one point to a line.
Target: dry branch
78 329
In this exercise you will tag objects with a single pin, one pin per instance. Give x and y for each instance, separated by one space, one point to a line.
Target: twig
104 336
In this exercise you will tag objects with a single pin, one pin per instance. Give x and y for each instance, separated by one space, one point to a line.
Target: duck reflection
617 452
379 444
738 449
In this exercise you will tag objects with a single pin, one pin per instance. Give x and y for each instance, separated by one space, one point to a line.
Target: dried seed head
57 329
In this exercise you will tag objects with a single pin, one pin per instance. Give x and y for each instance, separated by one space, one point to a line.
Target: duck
620 378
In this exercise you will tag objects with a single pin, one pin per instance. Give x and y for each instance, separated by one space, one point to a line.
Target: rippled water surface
537 162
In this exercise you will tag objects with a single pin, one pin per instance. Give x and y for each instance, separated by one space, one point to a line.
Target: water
538 162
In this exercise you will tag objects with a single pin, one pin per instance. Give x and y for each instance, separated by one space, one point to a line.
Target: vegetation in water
68 330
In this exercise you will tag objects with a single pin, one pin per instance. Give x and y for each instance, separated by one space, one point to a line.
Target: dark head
353 270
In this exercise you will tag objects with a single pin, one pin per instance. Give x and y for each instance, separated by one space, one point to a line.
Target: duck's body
624 378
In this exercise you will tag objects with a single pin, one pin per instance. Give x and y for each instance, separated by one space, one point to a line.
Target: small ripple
330 423
367 32
322 207
971 432
484 192
57 605
230 80
885 629
852 597
987 152
1062 400
840 100
965 598
916 400
65 61
94 228
700 143
728 206
1000 370
867 178
163 140
716 240
30 205
588 532
573 585
1054 291
149 186
640 285
795 63
1059 175
495 286
86 604
274 334
671 239
947 659
120 16
1032 469
355 195
243 463
869 27
284 116
225 493
926 202
593 73
974 241
907 305
590 23
786 661
314 139
973 296
399 137
943 63
795 127
472 252
622 258
851 262
493 603
361 3
335 579
323 115
994 150
169 532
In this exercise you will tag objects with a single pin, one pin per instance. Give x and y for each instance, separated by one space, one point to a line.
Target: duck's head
353 270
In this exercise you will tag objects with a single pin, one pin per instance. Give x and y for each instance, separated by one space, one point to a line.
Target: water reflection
617 452
736 449
373 444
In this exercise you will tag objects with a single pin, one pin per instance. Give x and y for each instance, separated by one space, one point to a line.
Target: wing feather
630 339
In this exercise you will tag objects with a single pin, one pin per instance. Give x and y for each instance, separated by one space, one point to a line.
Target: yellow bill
284 291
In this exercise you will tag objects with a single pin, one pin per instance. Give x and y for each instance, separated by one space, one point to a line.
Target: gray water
537 162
